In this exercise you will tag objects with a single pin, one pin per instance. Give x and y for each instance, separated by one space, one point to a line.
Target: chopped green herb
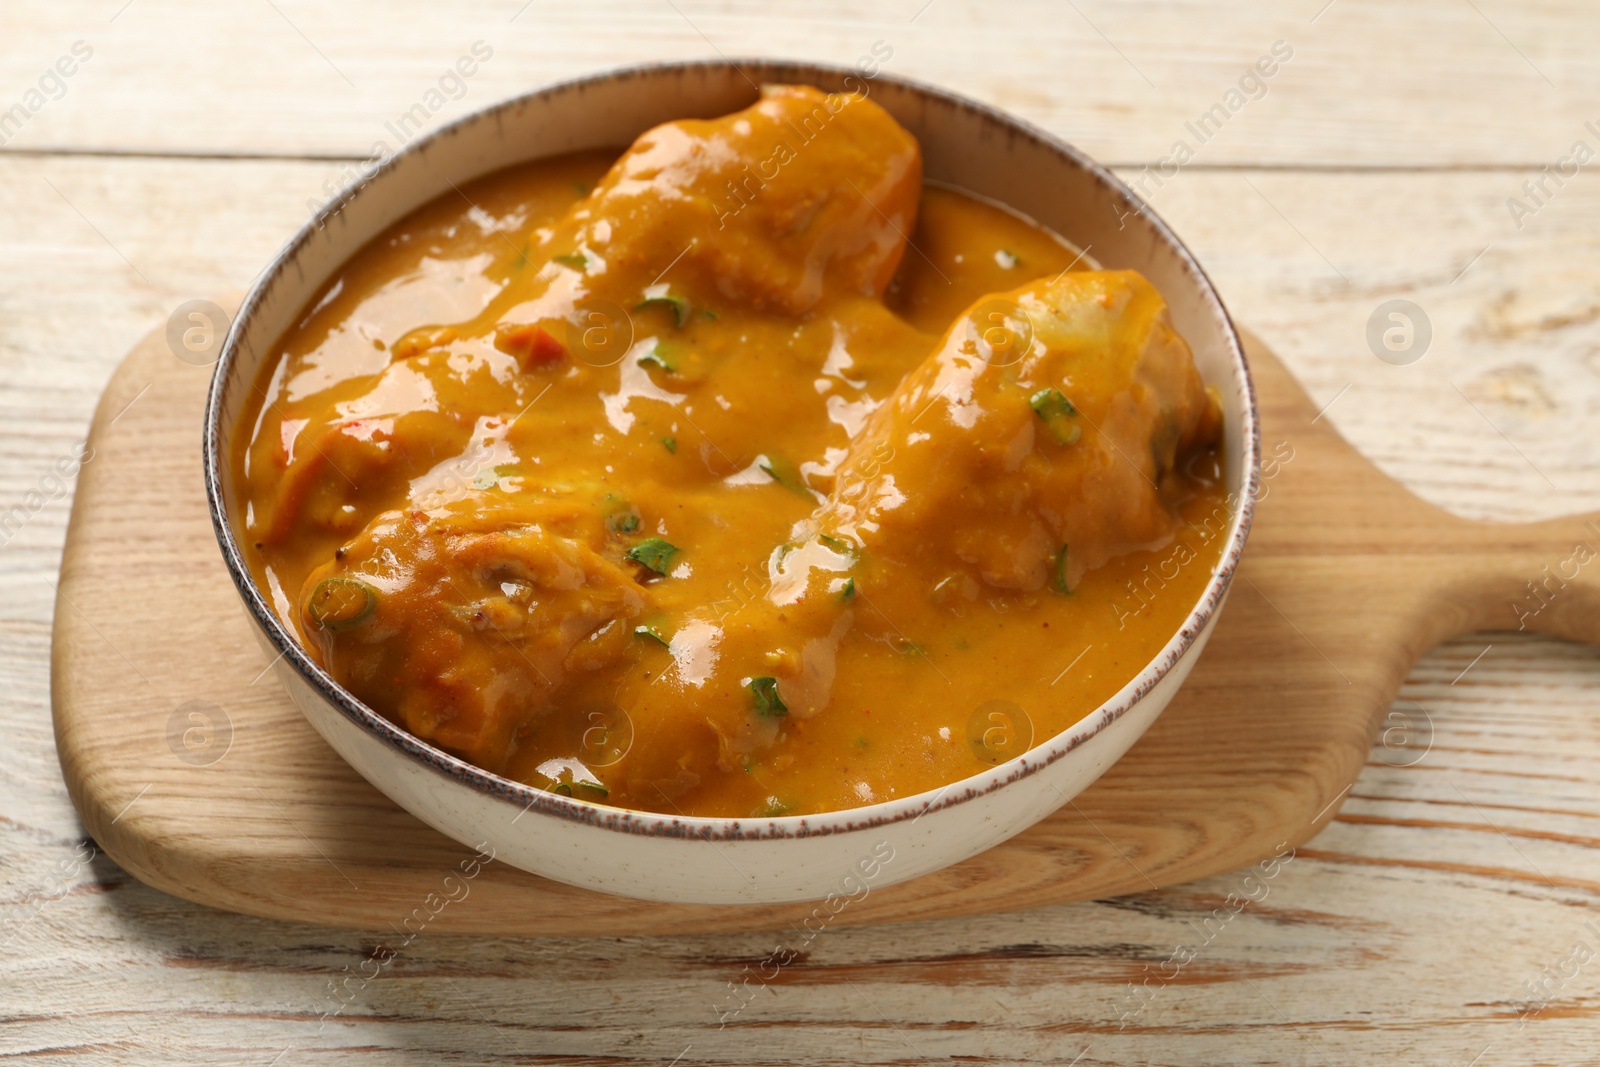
341 603
490 477
861 743
652 633
653 553
1007 260
848 590
768 702
839 545
1057 412
1061 571
565 789
1048 402
785 475
581 188
659 356
679 306
670 444
576 260
624 518
708 313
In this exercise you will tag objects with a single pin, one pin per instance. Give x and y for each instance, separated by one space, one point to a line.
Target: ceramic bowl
711 860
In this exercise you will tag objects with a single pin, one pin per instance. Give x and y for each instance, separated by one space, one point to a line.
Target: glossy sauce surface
742 475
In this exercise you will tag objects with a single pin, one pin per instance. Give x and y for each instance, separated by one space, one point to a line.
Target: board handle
1540 577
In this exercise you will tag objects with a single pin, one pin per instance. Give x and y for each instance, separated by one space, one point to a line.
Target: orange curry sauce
685 482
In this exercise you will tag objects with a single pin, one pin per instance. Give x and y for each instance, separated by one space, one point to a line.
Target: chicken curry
743 475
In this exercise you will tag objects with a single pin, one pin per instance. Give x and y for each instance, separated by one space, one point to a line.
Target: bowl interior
964 144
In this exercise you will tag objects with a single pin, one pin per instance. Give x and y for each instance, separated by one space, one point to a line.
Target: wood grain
1347 581
1410 934
1395 942
1119 79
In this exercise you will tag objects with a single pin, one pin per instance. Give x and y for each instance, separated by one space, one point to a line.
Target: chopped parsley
653 553
658 356
490 477
785 475
624 518
679 306
1057 412
1060 581
839 545
576 260
1049 402
565 790
768 702
670 444
341 603
653 633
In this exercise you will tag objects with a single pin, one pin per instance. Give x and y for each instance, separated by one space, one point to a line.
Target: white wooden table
1441 919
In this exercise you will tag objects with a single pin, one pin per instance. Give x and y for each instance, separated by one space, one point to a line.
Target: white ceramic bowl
731 861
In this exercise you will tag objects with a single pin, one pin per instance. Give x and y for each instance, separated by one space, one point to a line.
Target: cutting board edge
138 844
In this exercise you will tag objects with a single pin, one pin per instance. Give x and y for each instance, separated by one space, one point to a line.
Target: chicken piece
462 624
801 195
771 207
1030 447
772 202
1034 445
347 453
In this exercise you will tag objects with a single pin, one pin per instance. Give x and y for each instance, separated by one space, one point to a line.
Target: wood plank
1370 83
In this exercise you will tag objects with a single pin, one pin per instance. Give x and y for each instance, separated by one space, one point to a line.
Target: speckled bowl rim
542 802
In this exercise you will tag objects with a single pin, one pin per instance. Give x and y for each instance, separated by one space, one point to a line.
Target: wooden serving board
1347 580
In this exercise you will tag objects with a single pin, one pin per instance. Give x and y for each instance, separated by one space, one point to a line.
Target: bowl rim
717 828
